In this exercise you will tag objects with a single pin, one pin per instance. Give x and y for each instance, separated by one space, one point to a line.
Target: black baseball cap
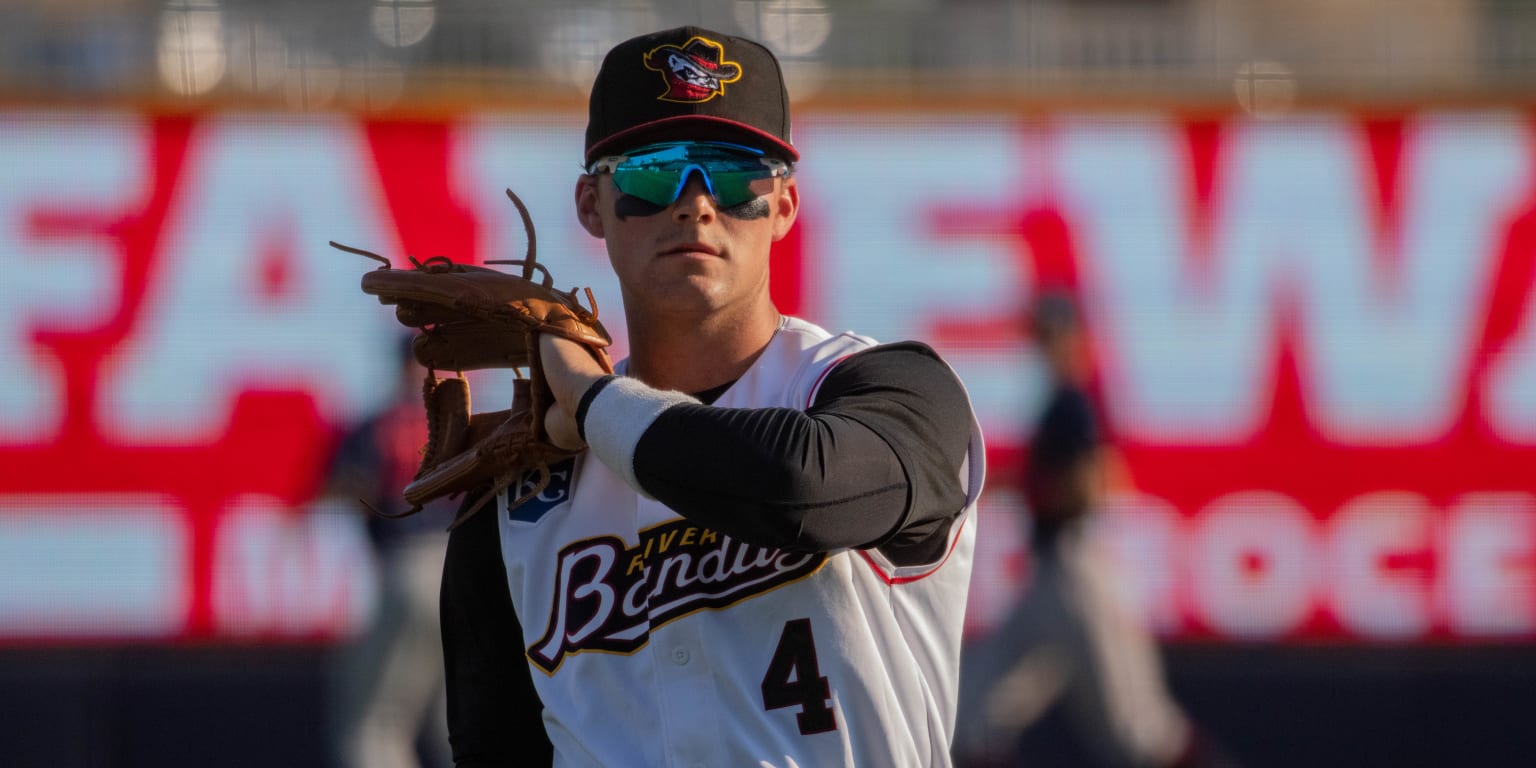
689 83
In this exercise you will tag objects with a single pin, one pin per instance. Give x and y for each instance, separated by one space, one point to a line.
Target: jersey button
680 656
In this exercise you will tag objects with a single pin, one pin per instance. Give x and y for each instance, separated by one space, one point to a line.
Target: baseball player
390 681
1070 639
761 558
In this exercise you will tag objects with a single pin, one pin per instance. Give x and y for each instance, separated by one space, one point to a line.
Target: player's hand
570 370
560 427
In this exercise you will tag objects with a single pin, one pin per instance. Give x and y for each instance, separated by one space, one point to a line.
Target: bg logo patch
553 495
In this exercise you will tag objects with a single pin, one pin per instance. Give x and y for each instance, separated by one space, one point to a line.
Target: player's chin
689 271
693 293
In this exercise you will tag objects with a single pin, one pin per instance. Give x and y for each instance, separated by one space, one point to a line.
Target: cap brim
692 128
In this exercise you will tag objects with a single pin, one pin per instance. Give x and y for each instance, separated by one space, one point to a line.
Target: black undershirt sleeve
495 717
874 462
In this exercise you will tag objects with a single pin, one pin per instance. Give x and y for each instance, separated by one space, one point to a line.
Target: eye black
756 208
625 206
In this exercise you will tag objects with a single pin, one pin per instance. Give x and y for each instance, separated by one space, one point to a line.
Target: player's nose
694 201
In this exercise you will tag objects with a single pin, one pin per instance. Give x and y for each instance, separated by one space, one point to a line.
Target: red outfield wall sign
1314 336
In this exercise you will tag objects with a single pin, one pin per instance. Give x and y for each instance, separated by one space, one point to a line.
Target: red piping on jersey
811 396
895 580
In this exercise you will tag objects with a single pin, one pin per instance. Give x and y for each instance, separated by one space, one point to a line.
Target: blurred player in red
391 681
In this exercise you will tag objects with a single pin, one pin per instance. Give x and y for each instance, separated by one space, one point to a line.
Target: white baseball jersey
658 642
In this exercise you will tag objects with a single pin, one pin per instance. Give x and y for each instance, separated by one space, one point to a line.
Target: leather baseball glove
472 317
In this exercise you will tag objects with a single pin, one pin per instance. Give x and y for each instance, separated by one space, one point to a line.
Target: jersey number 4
795 680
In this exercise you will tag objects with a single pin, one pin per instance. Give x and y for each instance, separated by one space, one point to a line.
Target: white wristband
619 415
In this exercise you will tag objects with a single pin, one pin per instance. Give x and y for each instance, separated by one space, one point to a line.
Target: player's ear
786 206
587 205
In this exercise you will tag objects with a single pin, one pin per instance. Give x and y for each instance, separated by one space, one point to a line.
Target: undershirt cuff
618 416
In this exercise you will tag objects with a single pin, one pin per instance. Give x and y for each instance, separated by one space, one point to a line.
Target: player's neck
696 354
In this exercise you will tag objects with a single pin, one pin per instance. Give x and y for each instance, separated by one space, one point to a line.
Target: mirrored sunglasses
657 173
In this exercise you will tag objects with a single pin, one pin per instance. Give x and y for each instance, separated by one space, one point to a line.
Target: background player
1070 640
390 687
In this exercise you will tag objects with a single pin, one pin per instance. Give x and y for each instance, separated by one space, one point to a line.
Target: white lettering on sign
1185 357
1511 384
1384 337
1253 565
65 180
286 574
1379 557
1490 565
247 294
92 565
1388 564
1388 348
870 201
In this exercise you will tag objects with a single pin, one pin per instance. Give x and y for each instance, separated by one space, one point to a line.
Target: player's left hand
569 369
560 428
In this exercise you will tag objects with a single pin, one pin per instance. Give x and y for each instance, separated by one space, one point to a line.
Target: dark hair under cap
1054 312
689 83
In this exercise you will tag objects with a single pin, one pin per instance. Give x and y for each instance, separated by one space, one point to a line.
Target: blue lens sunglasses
657 173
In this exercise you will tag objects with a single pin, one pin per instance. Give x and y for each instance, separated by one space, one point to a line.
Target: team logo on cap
694 72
